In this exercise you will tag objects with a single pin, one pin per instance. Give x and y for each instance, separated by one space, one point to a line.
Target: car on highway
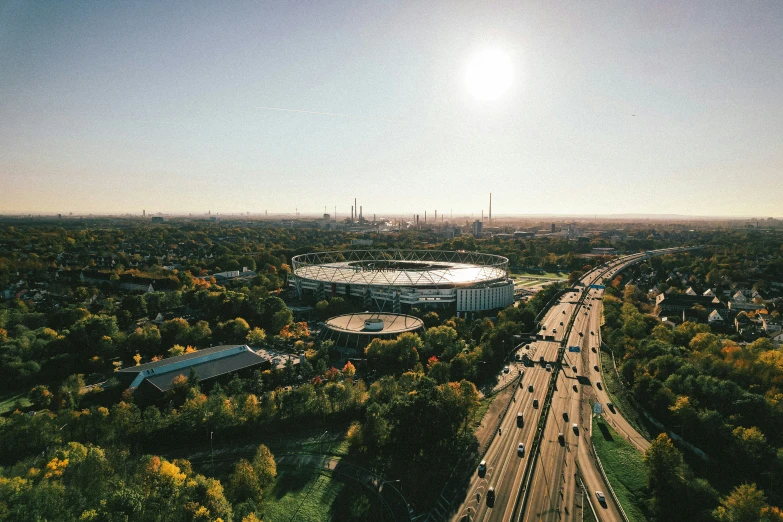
520 419
600 496
482 469
581 334
560 438
573 368
592 332
593 349
554 330
565 415
563 313
491 496
506 369
530 387
535 403
561 323
598 385
596 368
575 428
610 405
521 449
549 367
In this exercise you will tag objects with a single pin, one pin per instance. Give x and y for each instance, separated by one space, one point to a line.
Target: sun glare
488 74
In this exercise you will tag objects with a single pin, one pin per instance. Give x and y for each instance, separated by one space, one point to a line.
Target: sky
611 107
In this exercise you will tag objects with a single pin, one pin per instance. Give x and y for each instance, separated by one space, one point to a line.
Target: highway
550 490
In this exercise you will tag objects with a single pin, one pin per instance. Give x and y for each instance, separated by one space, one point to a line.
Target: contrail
322 113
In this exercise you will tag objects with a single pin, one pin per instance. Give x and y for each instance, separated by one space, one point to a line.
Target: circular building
389 279
357 330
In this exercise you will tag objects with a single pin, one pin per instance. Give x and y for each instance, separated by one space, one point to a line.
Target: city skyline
662 109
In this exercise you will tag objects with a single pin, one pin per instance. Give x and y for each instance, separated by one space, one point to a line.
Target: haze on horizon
617 108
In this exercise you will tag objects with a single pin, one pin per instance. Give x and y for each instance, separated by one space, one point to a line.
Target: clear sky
612 107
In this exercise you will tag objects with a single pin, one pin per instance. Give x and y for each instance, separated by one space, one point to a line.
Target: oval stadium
393 280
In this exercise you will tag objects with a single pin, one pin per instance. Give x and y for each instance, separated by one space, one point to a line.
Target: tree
264 466
744 504
665 469
256 336
71 389
243 483
41 397
349 370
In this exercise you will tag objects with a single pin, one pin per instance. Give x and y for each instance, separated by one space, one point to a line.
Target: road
565 452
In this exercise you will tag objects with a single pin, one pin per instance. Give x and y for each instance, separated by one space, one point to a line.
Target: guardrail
608 484
488 443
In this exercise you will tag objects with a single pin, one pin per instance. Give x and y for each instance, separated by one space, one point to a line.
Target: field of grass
618 395
308 495
624 468
9 402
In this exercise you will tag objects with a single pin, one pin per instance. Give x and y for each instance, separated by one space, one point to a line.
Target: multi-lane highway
547 488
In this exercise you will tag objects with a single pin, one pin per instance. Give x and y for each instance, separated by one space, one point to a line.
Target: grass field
618 395
9 402
307 495
624 468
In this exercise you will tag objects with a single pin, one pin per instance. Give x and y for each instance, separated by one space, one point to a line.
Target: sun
488 74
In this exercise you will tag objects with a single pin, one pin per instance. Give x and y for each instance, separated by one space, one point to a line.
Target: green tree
744 504
264 466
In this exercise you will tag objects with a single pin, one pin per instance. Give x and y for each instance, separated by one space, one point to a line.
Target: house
709 293
777 338
690 291
673 305
715 318
769 325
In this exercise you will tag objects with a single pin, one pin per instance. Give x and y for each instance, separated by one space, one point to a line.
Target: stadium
389 280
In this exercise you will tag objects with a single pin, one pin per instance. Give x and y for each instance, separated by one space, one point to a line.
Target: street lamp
320 442
211 451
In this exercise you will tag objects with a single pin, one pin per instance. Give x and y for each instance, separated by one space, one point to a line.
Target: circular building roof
368 324
401 268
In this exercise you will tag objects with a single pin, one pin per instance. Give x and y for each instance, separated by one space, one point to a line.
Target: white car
521 450
506 369
600 496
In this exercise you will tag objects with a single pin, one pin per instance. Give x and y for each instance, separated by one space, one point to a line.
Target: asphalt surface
553 492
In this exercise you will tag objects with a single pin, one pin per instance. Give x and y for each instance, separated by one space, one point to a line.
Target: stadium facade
388 280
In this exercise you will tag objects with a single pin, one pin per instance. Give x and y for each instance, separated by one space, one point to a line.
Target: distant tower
361 213
144 213
490 208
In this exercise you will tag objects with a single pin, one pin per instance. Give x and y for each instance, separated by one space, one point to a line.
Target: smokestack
490 208
356 212
482 214
351 214
361 212
436 216
425 216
